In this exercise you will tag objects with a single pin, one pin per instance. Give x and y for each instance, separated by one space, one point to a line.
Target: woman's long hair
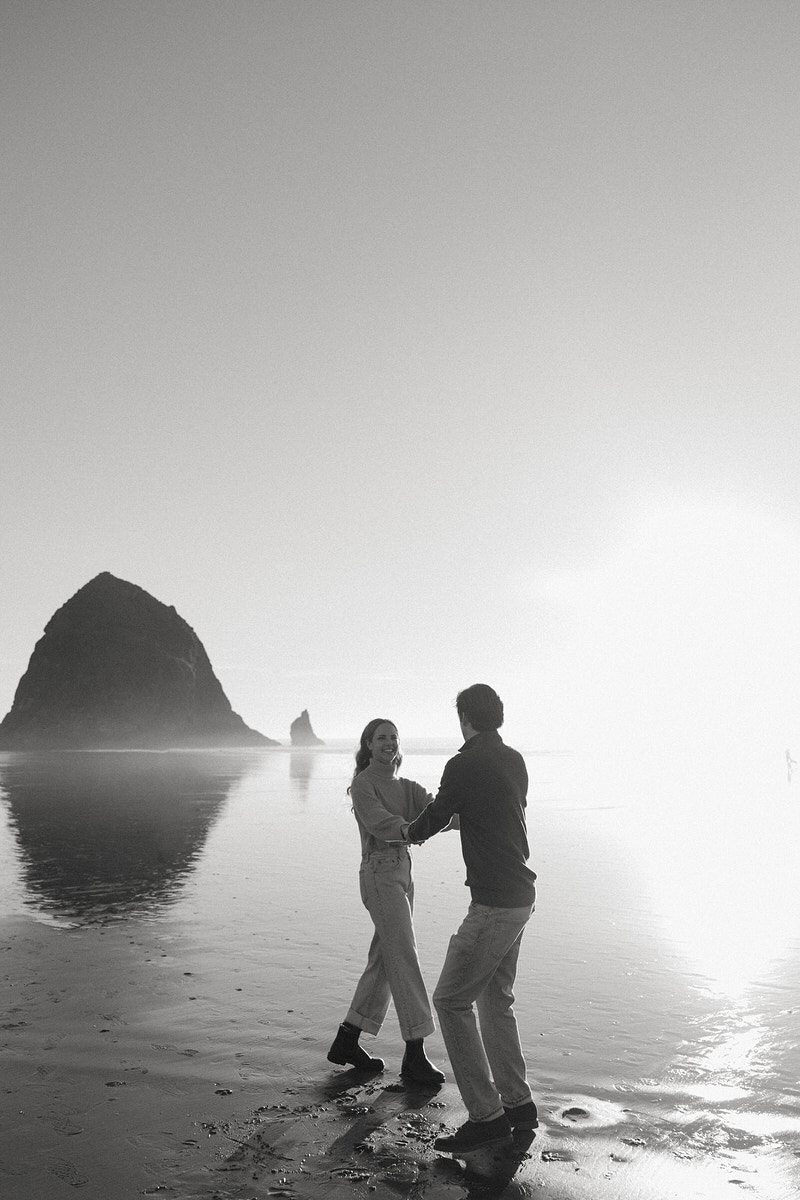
363 753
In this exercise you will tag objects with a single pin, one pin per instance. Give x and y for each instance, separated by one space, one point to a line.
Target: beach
174 967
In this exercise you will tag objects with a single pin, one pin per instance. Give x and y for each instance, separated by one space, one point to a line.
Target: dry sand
130 1068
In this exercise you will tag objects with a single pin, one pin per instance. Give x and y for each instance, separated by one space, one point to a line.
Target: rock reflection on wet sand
104 835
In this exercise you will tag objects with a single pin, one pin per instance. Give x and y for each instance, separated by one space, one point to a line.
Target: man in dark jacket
486 784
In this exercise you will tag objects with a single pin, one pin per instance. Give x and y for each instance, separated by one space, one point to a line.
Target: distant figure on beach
790 765
384 804
486 784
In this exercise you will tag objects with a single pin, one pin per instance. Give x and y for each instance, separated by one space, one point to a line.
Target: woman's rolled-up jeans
392 970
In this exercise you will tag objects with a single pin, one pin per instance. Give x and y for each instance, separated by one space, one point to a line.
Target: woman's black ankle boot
346 1050
417 1067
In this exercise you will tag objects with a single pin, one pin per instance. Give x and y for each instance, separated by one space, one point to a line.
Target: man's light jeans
480 966
392 970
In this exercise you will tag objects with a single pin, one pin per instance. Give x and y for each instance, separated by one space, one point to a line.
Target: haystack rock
116 668
301 732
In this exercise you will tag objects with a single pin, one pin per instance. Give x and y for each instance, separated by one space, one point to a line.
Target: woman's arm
420 799
384 825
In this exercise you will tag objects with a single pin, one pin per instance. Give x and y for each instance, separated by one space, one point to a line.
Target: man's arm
439 813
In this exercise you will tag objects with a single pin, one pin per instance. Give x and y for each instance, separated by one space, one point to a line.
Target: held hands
408 835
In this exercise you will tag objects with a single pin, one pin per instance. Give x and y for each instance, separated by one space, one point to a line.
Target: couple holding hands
483 793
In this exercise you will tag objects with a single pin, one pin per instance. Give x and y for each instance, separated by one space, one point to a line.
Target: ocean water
660 974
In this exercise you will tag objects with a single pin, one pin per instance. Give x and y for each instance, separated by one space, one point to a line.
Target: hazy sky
404 345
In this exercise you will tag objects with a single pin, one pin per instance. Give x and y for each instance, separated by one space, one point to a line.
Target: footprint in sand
66 1126
67 1172
557 1155
590 1113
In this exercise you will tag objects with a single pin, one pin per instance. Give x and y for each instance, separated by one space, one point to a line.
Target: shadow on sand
346 1137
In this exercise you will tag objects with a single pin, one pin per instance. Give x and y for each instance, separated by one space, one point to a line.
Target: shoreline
130 1068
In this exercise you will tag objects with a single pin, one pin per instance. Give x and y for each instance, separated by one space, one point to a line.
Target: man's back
487 784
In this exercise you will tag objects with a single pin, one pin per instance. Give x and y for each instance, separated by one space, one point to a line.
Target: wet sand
131 1068
180 935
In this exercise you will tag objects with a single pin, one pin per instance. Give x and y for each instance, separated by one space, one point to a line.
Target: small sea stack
301 733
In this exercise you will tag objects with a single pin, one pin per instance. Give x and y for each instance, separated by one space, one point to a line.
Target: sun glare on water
687 643
725 883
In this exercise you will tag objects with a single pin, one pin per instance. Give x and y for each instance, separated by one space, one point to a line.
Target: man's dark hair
481 706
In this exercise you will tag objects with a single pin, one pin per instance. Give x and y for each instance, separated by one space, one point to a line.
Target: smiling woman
383 805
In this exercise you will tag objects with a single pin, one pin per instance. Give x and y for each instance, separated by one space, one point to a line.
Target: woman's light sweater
384 804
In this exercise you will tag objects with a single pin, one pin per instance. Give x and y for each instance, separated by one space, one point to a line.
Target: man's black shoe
474 1135
523 1116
